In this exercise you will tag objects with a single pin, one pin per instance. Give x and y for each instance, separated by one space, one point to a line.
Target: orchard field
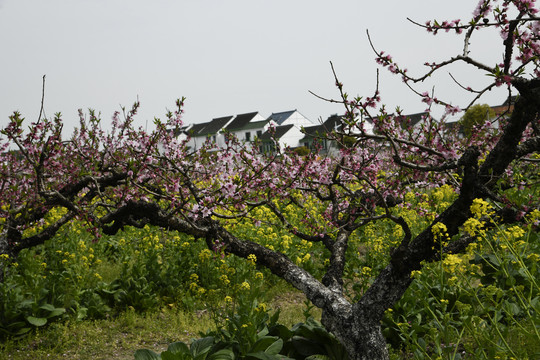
482 304
411 241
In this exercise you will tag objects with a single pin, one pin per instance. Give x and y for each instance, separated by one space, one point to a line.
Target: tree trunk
363 340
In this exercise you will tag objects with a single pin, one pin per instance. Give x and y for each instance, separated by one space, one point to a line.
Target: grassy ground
118 338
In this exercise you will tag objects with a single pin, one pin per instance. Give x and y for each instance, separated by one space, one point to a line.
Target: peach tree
130 177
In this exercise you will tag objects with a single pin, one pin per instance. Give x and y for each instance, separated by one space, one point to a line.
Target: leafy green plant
481 305
310 340
201 349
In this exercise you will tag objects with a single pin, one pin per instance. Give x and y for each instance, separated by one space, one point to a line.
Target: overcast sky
226 56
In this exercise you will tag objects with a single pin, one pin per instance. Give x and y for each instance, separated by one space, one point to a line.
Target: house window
248 136
259 133
267 147
214 138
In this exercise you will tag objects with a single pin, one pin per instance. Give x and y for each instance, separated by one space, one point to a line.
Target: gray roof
180 130
278 132
240 121
411 119
212 127
280 117
255 124
326 127
197 128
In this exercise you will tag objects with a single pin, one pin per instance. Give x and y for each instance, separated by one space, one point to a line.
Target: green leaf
36 321
275 317
264 343
167 355
178 348
19 329
512 308
305 347
223 354
264 356
145 354
263 332
26 303
275 347
53 310
318 357
199 348
81 313
282 332
47 307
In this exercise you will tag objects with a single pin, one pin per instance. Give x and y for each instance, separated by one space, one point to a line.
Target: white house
292 117
285 130
209 131
247 127
319 136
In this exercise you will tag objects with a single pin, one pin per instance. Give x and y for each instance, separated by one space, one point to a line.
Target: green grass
118 338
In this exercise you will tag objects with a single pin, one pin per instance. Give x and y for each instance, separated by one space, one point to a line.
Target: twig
42 100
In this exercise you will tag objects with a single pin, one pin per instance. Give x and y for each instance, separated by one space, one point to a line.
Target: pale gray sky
226 56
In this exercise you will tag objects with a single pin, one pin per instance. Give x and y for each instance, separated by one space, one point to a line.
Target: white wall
291 138
298 120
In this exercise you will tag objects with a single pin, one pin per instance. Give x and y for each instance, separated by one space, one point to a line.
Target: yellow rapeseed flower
472 226
439 229
452 261
205 255
514 232
252 258
480 207
534 216
225 279
410 197
245 286
438 195
366 271
533 257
